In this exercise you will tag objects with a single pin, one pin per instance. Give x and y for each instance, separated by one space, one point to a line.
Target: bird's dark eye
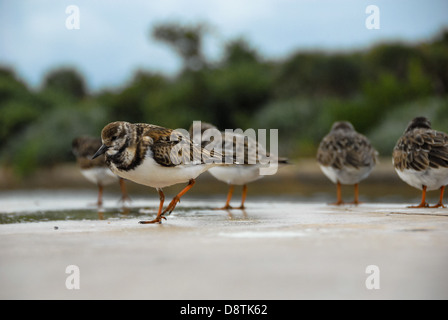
114 138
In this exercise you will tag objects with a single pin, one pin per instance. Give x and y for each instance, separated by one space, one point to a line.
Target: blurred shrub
10 87
15 115
47 140
66 81
316 74
236 93
175 105
390 57
301 122
388 90
18 106
129 103
435 61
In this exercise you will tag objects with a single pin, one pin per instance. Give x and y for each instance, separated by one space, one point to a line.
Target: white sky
113 40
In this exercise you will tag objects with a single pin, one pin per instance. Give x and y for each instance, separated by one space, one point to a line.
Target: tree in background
226 93
66 81
186 40
18 106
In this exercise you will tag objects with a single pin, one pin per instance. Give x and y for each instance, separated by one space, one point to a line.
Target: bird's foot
421 205
156 220
438 205
226 207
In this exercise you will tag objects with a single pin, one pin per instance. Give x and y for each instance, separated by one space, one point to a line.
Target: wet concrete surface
275 249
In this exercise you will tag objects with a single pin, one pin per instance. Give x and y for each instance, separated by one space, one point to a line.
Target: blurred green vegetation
379 89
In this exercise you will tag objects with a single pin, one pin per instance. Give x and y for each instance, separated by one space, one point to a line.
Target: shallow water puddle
77 214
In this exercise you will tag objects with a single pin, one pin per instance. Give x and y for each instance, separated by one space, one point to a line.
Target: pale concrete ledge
273 250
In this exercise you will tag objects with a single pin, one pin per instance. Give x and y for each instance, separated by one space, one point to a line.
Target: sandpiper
346 157
96 171
251 154
420 159
155 156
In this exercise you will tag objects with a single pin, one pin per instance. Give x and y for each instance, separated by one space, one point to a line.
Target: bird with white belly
420 159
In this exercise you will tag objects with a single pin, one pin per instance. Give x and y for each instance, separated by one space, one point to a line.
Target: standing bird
96 171
155 156
243 172
346 157
420 159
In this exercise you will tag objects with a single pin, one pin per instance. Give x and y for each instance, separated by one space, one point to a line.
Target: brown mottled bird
420 159
252 156
346 157
96 171
155 156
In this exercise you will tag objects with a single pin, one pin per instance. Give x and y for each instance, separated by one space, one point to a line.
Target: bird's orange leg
100 195
356 200
243 198
160 216
229 197
339 195
423 203
124 192
440 203
176 199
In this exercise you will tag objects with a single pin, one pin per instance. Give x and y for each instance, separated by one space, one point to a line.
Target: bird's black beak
100 151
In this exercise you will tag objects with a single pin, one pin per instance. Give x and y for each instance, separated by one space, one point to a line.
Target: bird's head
419 123
342 125
115 136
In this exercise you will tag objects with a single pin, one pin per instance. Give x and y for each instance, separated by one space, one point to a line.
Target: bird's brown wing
171 148
421 149
339 150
